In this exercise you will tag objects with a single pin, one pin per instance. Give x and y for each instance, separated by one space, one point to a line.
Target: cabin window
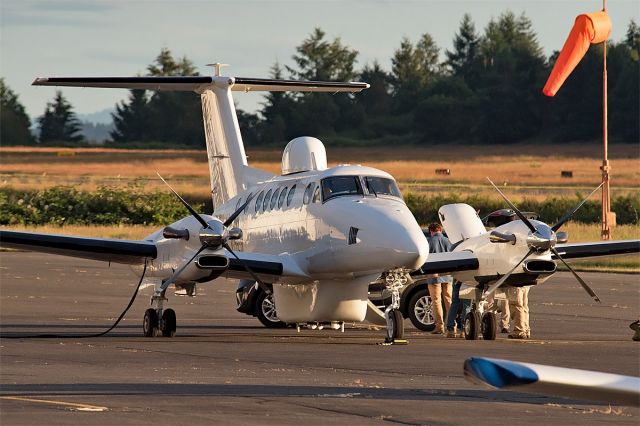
337 186
246 208
274 199
382 186
308 193
259 201
290 195
267 198
283 195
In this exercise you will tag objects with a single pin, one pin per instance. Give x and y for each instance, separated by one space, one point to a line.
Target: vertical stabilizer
225 149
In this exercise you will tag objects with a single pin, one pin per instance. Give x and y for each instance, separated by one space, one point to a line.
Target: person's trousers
458 306
519 307
501 307
440 292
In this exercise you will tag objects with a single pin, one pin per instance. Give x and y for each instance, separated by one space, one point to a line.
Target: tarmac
224 367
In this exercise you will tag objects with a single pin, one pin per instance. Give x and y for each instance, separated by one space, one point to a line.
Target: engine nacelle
460 222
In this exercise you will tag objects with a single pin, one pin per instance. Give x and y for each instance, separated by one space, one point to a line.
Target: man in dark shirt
439 286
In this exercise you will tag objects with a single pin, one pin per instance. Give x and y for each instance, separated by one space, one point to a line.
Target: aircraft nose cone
399 240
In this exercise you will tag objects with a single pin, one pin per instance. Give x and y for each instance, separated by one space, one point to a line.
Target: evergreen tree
462 61
509 85
322 60
175 117
624 102
59 123
14 122
323 113
276 111
413 68
376 100
131 120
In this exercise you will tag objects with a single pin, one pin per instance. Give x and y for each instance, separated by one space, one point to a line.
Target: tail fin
228 167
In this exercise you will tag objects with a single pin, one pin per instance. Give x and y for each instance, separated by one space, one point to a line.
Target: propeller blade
584 285
502 279
175 275
255 277
568 216
235 214
191 210
514 208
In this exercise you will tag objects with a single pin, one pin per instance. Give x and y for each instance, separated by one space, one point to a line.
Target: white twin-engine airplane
318 235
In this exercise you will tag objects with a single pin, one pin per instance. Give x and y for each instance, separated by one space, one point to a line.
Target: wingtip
39 81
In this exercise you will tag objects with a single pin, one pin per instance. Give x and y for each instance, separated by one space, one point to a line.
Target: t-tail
228 167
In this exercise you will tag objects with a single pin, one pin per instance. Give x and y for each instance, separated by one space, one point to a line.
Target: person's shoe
451 335
504 330
462 335
437 332
517 336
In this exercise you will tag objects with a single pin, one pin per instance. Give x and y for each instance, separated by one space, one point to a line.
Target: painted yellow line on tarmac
76 406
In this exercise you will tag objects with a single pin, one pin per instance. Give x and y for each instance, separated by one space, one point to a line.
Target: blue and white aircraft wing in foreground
613 389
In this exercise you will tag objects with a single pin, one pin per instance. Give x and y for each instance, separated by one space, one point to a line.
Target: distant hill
96 132
101 117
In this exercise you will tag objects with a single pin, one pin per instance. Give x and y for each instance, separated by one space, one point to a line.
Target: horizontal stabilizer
201 83
549 380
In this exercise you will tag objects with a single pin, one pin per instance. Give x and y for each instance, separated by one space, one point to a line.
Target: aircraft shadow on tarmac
173 389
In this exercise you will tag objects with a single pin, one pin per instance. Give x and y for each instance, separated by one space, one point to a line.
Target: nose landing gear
157 320
480 322
395 281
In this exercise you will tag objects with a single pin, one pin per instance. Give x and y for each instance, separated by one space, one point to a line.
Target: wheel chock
393 342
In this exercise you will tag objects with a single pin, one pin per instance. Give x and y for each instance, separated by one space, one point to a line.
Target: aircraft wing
271 268
441 263
545 379
597 249
105 249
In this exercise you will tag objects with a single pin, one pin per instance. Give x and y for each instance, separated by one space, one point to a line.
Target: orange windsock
590 28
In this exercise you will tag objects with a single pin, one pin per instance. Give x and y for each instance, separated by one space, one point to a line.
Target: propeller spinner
213 235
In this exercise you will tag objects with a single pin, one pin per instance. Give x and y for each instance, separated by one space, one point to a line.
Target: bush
105 206
627 208
113 206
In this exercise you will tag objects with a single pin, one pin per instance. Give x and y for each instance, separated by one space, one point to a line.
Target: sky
121 37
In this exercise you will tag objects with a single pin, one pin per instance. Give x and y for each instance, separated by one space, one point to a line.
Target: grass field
526 170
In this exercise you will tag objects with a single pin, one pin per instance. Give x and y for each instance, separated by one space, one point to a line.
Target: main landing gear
480 322
394 281
157 320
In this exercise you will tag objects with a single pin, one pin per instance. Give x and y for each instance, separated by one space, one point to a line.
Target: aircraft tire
472 325
266 311
420 311
169 323
489 326
150 323
397 326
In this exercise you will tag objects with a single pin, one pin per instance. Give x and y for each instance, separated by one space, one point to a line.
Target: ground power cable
83 336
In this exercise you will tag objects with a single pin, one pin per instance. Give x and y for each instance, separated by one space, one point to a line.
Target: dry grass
414 167
125 232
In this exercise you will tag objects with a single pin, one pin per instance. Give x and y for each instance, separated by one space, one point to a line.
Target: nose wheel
394 281
158 321
477 324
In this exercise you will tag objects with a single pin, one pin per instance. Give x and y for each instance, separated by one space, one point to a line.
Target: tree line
486 89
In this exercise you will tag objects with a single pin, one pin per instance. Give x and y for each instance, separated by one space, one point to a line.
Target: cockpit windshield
382 186
337 186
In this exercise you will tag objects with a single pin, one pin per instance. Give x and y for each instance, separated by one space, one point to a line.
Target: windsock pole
608 219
